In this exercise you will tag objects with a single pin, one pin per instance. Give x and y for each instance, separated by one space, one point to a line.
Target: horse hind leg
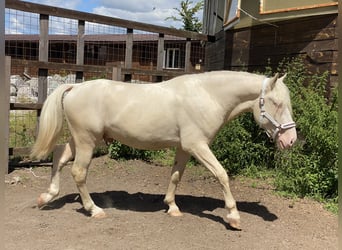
79 172
181 159
61 155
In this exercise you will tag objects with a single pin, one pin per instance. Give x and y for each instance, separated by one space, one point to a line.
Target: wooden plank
26 106
215 52
25 151
145 72
19 151
91 68
258 52
320 56
241 49
294 31
61 66
78 15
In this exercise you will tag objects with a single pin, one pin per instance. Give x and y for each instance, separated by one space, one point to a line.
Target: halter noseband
263 114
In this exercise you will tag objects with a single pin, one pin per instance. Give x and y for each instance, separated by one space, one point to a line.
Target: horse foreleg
208 159
181 159
79 172
61 155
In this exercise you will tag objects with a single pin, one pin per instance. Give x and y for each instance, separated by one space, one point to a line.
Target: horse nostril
292 142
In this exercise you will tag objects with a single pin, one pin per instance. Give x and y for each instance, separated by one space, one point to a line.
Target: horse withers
185 112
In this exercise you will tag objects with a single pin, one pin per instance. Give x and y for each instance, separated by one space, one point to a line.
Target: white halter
263 114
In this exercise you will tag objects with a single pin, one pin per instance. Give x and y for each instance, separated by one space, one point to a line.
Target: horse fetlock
53 191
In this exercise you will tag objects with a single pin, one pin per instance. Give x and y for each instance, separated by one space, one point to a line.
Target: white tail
50 123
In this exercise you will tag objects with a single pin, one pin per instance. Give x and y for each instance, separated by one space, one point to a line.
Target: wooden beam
61 66
144 72
26 106
19 151
78 15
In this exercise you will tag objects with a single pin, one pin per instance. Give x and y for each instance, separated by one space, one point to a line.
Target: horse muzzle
286 138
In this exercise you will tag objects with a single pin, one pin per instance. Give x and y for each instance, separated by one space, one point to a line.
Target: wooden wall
312 38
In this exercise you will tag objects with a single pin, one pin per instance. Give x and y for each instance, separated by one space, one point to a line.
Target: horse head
273 112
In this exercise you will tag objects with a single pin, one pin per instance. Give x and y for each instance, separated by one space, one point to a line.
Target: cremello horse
185 112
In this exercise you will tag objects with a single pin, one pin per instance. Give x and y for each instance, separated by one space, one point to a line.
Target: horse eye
277 104
274 102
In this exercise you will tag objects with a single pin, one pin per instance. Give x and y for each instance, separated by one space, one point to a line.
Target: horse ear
273 80
283 77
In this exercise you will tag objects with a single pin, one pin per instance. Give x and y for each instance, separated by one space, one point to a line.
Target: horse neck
236 93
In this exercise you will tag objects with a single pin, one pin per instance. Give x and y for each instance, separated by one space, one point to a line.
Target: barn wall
312 38
215 52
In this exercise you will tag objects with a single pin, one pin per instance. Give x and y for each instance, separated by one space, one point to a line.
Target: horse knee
79 174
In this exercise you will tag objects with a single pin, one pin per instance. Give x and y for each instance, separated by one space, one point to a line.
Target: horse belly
144 137
144 129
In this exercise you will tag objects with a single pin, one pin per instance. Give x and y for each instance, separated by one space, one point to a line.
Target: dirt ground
132 194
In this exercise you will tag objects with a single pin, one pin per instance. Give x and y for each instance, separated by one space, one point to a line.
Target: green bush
310 169
121 151
241 144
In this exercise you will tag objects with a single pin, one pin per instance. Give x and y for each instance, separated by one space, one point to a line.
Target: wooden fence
123 72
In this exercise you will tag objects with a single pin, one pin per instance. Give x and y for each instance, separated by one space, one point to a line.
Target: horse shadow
145 202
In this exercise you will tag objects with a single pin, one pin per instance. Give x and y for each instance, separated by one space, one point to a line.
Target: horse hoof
175 213
99 215
41 201
234 223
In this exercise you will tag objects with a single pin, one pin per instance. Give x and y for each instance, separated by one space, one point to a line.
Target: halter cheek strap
263 114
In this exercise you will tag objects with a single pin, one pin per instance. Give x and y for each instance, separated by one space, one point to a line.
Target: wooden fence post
4 119
160 56
4 112
188 55
80 49
116 74
129 49
43 57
